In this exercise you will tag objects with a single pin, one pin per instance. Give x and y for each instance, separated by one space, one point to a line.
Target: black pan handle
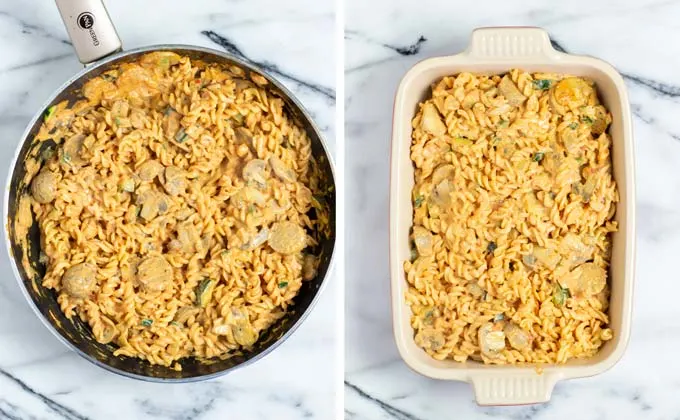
90 28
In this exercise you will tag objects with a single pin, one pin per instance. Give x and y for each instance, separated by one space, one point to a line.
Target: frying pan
98 47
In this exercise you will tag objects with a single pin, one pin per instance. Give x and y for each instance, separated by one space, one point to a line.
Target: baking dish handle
510 43
90 28
513 388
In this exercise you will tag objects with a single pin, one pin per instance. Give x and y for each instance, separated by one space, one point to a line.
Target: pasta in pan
177 204
513 206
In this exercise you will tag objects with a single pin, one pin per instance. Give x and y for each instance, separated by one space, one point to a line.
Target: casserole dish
495 51
97 45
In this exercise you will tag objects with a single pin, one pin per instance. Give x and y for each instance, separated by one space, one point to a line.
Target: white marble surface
39 377
640 39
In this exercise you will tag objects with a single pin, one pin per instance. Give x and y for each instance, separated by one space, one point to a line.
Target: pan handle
90 28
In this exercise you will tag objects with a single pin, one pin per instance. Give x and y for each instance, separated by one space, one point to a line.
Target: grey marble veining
39 377
383 40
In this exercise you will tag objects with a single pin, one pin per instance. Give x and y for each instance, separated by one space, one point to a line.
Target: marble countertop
383 40
39 377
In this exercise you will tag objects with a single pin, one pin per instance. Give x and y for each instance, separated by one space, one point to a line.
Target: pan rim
24 137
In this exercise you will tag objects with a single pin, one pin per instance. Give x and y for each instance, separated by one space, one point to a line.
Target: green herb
251 208
419 200
176 324
283 284
147 322
498 317
50 112
538 156
66 158
495 140
586 119
116 121
503 123
579 160
573 125
164 62
181 135
542 84
491 247
560 295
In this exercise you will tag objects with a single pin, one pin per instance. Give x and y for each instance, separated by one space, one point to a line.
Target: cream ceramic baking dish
492 51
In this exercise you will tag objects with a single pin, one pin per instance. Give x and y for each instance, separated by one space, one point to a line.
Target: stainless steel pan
99 48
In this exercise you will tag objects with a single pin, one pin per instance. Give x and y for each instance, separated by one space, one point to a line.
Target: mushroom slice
442 173
105 331
510 91
491 338
154 273
175 181
187 236
281 170
587 279
575 251
44 186
80 280
246 196
546 256
430 339
441 193
423 240
431 121
287 238
517 337
70 152
185 313
255 171
149 170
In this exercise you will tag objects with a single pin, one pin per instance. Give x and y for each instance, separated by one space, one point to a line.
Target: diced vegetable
538 156
204 292
419 200
573 125
431 121
128 185
257 240
491 338
463 141
423 240
560 294
510 91
147 322
50 112
181 135
517 337
586 119
283 284
498 317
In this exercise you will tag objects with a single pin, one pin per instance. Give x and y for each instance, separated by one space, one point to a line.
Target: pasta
513 210
178 205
